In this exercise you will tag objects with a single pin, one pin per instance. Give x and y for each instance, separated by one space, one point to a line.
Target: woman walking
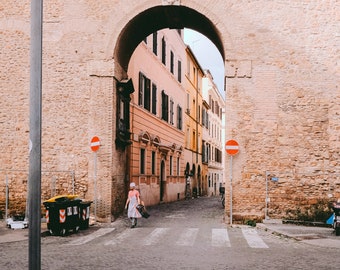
131 203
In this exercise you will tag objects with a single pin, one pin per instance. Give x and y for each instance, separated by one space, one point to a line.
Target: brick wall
282 95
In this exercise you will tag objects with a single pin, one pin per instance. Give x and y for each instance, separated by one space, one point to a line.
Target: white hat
132 184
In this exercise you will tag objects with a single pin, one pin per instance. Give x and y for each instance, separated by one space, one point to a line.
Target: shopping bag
141 209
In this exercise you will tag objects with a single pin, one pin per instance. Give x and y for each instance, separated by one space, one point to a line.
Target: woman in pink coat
132 201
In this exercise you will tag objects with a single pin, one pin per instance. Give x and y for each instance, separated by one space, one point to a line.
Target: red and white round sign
95 143
231 147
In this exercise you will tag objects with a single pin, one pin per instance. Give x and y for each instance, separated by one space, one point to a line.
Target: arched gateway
282 96
145 22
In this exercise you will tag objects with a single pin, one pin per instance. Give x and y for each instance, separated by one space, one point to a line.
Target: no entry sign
95 143
231 147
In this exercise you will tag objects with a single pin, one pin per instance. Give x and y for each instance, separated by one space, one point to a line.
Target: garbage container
62 215
84 211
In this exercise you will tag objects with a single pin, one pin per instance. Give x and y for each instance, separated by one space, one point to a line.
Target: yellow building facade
193 125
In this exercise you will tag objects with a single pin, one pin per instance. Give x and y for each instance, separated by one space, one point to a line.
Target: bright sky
207 55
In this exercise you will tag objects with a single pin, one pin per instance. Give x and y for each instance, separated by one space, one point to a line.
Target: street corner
313 235
12 234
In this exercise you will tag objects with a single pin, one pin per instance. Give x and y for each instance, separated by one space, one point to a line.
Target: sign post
275 179
232 148
95 144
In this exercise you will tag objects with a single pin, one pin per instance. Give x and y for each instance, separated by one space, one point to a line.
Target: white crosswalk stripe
123 236
220 238
90 237
155 236
253 239
187 238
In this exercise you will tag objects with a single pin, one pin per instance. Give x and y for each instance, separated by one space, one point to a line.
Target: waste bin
62 215
84 211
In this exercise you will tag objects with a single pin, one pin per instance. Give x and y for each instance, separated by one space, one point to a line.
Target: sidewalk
318 236
14 235
313 235
11 235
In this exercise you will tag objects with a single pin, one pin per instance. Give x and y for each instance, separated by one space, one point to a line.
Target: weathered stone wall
283 104
282 96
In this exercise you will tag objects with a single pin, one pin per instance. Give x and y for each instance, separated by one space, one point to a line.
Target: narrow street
187 234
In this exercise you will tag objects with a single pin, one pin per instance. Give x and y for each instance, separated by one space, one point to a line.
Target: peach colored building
156 162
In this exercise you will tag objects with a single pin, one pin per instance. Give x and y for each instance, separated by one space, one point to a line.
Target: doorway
162 181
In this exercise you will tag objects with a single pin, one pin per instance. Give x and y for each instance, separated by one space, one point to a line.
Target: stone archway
152 19
156 18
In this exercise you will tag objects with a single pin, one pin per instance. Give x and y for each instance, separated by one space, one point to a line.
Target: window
217 109
172 62
188 137
178 169
218 155
144 91
204 152
165 106
147 95
154 99
188 103
153 162
203 117
194 76
179 71
154 43
171 111
163 51
179 118
199 114
170 165
142 161
188 68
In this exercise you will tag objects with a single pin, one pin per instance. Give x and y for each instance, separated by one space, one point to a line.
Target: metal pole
231 190
266 208
72 173
34 177
6 210
53 186
95 186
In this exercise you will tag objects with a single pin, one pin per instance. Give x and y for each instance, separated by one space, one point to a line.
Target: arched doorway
162 181
156 18
199 181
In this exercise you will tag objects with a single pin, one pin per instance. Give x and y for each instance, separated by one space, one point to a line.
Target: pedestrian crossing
92 236
220 238
184 237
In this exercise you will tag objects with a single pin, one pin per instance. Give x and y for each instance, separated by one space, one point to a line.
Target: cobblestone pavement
188 234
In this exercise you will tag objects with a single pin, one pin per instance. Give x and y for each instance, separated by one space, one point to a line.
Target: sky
207 55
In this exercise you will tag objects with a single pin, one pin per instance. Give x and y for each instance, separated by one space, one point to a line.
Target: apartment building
156 162
193 125
213 133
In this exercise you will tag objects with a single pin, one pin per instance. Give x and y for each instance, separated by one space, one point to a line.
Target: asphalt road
188 234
